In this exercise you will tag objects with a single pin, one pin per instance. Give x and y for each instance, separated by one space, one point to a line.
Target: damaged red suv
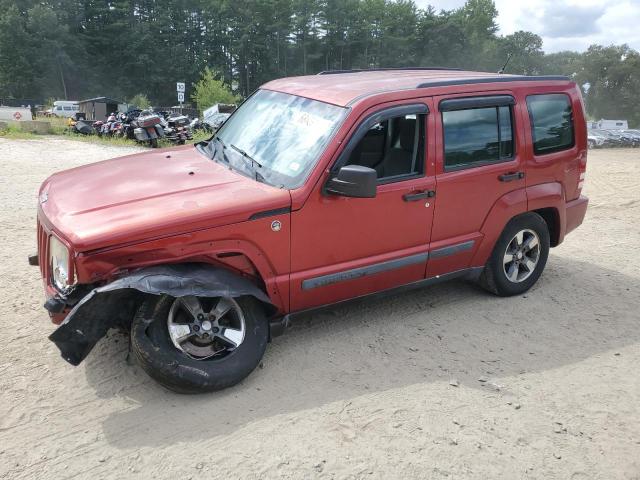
317 190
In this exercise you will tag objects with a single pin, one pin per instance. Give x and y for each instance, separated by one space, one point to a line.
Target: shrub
211 90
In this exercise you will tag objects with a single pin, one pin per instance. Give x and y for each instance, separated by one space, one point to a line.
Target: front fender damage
114 304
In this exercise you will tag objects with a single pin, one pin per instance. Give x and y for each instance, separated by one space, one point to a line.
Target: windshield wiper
258 176
246 155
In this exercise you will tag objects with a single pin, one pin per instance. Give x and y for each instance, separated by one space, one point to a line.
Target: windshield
278 137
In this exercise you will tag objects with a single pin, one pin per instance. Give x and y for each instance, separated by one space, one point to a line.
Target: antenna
501 71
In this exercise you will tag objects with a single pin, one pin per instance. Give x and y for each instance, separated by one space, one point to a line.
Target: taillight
581 182
582 170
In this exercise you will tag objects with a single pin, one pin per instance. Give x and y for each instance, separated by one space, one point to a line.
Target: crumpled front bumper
114 305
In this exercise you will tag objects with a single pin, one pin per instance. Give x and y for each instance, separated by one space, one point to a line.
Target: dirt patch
444 382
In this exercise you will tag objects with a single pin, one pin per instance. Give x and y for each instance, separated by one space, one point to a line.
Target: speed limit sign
180 87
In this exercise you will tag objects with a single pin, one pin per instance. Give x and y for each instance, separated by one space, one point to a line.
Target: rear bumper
575 212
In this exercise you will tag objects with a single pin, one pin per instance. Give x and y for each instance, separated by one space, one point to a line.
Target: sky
565 24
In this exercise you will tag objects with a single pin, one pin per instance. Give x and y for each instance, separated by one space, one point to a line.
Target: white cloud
565 24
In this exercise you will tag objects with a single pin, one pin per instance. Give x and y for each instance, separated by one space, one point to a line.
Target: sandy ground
445 382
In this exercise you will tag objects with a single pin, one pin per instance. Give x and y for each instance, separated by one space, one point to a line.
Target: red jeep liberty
318 189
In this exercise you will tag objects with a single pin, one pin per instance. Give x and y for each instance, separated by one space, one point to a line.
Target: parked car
317 190
621 138
595 139
610 140
216 120
198 125
633 137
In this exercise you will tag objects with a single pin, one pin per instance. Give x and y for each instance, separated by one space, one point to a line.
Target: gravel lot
445 382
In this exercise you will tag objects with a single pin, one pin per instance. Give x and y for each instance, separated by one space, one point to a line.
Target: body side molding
471 274
359 272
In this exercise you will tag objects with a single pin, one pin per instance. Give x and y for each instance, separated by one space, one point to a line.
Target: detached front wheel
195 344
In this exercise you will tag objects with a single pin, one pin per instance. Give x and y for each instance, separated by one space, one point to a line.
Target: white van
612 124
65 108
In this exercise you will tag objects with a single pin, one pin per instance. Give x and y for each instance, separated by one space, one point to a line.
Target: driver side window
394 148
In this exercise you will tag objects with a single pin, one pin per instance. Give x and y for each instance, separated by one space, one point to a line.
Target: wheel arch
113 304
241 257
551 217
507 207
547 200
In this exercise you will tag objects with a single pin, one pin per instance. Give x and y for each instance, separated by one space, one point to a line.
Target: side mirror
353 181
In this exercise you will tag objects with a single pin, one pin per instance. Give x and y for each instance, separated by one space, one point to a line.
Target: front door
345 247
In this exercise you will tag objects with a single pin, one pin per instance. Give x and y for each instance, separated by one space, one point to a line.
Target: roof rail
391 69
501 78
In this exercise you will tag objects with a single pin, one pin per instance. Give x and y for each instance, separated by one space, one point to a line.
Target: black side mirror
353 181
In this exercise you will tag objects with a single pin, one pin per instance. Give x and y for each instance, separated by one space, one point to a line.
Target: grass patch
58 125
12 131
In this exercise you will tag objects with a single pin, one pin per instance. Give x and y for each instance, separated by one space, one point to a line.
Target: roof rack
501 78
391 69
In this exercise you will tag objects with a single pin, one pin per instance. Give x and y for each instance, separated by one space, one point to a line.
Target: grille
43 251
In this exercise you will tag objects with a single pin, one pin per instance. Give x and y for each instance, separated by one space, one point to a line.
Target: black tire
175 370
494 278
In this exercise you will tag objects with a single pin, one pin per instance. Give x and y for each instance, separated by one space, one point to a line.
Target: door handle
414 197
510 177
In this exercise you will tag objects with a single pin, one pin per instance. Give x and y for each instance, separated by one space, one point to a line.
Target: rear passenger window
551 122
477 136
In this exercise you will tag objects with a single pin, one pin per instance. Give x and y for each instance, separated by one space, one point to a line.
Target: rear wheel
519 256
194 344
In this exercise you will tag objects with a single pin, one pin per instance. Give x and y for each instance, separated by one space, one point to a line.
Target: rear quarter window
551 122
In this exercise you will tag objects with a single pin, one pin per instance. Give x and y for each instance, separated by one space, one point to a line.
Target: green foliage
140 100
210 90
12 130
84 48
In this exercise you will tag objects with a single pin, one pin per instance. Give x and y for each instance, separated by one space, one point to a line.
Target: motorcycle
98 126
146 128
198 125
177 128
116 128
105 128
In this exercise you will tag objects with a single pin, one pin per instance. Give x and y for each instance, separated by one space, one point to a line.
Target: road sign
180 97
180 87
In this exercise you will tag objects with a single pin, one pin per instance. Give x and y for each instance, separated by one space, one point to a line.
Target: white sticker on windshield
307 119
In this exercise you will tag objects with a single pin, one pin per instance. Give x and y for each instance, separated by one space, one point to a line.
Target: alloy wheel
521 256
206 327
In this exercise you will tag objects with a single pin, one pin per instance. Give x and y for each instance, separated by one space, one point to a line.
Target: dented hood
150 195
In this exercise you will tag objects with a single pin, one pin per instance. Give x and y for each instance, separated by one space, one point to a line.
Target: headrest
407 132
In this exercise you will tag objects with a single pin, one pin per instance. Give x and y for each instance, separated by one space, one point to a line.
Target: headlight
59 261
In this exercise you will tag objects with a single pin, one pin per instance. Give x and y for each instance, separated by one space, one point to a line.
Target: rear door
477 162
